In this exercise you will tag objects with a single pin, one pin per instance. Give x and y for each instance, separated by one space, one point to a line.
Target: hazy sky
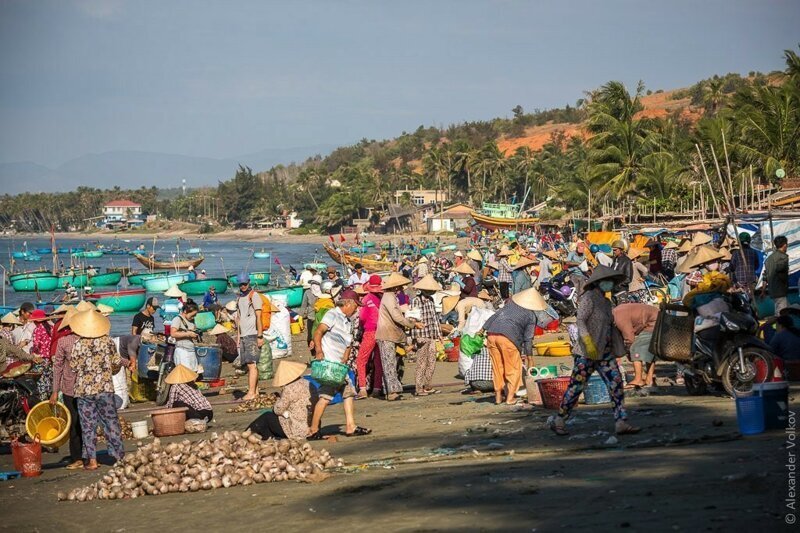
224 78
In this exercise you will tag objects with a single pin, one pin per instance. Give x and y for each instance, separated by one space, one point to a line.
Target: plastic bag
476 319
264 364
464 363
120 381
471 344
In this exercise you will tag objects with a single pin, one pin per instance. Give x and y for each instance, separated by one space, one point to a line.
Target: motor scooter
560 293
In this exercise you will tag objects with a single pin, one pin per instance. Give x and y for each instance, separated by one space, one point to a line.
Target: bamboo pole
708 180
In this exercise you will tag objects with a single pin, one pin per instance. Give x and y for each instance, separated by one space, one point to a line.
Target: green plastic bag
264 364
471 344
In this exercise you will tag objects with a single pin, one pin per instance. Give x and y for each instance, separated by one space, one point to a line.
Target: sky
219 79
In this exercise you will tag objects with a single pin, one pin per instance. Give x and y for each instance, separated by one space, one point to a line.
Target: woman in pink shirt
42 337
368 319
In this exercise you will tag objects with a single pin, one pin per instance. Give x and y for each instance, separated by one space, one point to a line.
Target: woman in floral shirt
95 360
42 336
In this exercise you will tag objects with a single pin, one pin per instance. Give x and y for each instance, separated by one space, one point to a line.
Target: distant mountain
135 169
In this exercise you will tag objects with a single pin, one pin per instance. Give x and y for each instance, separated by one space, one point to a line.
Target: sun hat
530 299
458 254
601 273
685 247
493 265
11 318
475 255
700 238
454 290
552 255
89 324
287 372
350 294
422 259
375 284
174 292
231 306
465 269
243 278
395 280
671 245
726 253
181 374
484 295
705 254
38 315
218 329
72 311
105 309
619 244
633 253
523 262
449 303
428 283
504 252
61 309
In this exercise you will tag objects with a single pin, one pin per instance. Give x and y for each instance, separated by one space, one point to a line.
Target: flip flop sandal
432 391
631 386
561 431
77 465
630 430
359 432
423 393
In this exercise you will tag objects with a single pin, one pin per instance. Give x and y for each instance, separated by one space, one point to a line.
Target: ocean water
221 258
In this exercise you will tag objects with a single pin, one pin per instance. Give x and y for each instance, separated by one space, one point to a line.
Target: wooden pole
708 180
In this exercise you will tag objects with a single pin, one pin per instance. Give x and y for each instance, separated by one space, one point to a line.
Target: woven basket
169 422
552 391
673 335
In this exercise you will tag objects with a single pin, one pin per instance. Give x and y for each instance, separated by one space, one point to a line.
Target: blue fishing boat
194 251
162 283
44 251
261 255
32 258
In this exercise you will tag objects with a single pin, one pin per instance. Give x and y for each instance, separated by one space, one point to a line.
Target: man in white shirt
359 277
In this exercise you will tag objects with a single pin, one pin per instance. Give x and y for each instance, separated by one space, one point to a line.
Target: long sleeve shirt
369 312
633 318
777 274
63 374
95 361
515 323
430 319
391 320
744 271
292 408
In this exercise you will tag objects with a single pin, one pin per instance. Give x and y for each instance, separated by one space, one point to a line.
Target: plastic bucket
140 430
750 414
209 357
452 352
775 398
596 391
297 328
27 457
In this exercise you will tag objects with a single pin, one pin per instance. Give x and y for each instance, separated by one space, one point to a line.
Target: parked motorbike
166 363
560 293
730 354
17 396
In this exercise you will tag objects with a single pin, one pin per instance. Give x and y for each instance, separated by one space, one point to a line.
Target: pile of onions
233 458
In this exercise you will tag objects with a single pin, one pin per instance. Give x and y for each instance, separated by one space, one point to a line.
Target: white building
122 213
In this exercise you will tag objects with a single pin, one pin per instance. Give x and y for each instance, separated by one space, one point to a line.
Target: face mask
606 285
713 267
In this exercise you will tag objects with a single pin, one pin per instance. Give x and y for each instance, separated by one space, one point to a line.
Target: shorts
249 352
640 349
347 390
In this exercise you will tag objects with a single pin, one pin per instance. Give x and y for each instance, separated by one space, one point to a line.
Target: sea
222 258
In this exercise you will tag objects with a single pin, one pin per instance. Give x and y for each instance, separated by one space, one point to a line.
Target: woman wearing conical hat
183 392
425 337
290 414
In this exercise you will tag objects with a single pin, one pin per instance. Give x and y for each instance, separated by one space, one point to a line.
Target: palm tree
525 164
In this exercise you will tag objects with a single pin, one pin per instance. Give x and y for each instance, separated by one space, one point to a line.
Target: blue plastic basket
596 391
750 415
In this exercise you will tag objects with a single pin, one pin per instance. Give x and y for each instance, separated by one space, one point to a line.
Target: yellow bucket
297 327
49 428
43 418
554 349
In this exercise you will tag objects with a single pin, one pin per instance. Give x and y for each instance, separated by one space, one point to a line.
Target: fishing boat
30 274
359 250
32 258
88 254
42 282
294 295
123 300
108 279
198 287
447 248
77 278
501 216
194 251
44 251
258 279
370 265
19 255
136 278
116 251
162 283
261 255
315 266
368 244
122 270
153 263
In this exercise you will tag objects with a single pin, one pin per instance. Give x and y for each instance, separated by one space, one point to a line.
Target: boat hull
502 223
77 280
89 254
258 279
294 295
44 251
370 265
35 283
316 266
162 283
199 287
108 279
127 300
261 255
137 277
155 264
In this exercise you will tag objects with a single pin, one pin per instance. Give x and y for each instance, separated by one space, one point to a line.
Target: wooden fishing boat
123 300
315 266
153 263
293 295
136 278
198 287
88 254
162 283
108 279
19 255
261 255
490 222
77 278
257 279
35 282
370 265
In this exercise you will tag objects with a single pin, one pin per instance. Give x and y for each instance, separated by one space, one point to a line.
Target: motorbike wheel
162 387
695 385
758 366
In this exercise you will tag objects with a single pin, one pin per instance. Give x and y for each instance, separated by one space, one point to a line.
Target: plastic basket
50 415
750 415
27 457
596 391
329 372
552 391
169 422
673 335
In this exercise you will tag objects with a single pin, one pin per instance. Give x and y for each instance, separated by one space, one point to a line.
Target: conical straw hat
633 253
465 269
686 247
524 262
89 324
11 318
705 254
552 255
530 299
395 280
287 372
422 260
83 305
449 303
61 309
67 317
504 252
475 255
701 238
685 267
218 329
105 309
174 292
181 374
484 295
428 283
726 253
671 245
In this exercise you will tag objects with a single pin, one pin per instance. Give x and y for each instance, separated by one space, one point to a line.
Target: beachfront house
453 218
122 214
420 197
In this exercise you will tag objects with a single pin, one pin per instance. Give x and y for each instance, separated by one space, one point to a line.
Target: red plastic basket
27 457
552 391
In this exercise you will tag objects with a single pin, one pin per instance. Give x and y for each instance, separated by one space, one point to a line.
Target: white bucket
140 430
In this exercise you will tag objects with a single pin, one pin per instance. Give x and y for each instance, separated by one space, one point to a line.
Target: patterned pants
581 372
367 351
391 384
100 409
44 386
426 363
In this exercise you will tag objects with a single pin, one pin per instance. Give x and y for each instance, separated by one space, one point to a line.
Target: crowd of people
492 297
